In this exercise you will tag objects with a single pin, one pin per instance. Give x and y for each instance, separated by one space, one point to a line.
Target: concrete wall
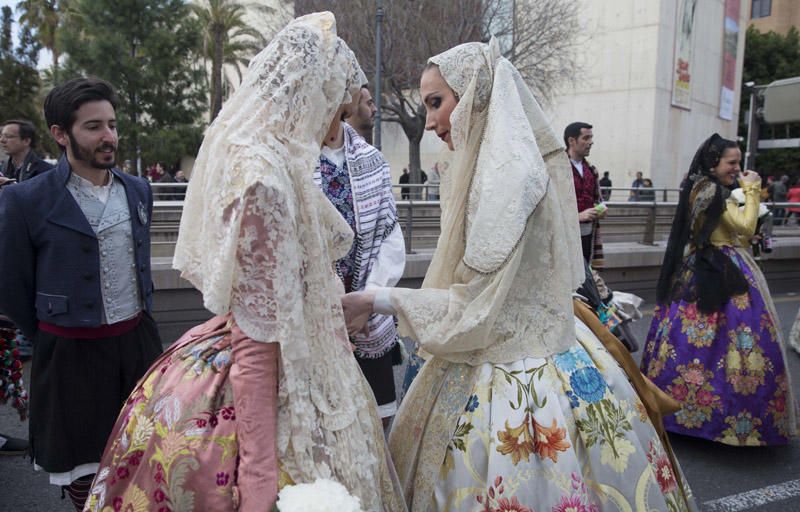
630 267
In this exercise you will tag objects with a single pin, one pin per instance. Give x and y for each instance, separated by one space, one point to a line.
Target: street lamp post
752 127
378 21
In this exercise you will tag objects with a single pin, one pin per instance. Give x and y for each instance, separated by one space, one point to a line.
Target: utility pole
378 22
752 127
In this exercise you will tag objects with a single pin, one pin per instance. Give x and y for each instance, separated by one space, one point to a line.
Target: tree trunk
415 165
216 74
56 55
414 132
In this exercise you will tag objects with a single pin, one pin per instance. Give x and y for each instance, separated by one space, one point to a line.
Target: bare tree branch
538 36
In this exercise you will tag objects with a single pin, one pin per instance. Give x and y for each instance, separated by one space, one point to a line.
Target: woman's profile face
728 168
439 100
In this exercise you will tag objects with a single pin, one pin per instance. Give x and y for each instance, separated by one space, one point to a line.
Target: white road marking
755 498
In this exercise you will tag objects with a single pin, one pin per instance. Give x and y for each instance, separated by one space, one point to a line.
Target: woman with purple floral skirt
715 344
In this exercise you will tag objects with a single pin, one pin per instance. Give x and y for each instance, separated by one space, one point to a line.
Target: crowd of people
525 400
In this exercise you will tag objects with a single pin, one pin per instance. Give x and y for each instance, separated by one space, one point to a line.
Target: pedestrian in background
636 185
605 184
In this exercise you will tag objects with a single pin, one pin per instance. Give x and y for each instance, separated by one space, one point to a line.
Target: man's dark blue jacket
49 254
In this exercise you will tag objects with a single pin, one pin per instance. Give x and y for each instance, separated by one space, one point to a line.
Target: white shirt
578 166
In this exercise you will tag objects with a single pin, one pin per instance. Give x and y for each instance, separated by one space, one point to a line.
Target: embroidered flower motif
501 504
549 441
569 360
680 392
222 478
642 410
700 329
588 384
742 430
744 363
616 456
693 389
742 302
516 442
512 505
744 338
571 503
661 467
159 496
472 403
777 406
573 399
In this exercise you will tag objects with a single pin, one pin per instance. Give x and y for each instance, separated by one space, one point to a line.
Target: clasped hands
357 307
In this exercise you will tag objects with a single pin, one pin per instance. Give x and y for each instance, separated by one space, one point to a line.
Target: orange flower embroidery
549 441
510 442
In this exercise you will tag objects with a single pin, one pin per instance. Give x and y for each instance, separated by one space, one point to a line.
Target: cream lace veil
506 159
258 239
274 120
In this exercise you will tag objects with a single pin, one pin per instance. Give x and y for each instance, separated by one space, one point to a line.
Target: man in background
362 118
18 140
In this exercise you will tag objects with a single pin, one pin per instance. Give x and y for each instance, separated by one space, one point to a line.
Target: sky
45 59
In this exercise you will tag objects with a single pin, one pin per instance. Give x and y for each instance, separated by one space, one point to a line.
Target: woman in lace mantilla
518 406
267 393
715 344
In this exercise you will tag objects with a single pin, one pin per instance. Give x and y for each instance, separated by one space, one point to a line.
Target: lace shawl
500 282
257 238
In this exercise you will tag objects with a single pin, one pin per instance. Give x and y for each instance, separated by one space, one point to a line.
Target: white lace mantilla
499 286
258 239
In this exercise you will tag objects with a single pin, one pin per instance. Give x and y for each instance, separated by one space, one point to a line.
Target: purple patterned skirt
727 369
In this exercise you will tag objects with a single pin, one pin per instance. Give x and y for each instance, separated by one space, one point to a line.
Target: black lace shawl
701 204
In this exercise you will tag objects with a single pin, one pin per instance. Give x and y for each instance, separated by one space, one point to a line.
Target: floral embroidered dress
562 433
728 369
267 392
518 406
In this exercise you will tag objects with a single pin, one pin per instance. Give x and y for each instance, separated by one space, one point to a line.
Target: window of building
761 9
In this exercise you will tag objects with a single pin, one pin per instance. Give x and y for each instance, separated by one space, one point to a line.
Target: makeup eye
436 102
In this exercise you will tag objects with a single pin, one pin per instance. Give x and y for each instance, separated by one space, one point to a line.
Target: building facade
774 15
658 77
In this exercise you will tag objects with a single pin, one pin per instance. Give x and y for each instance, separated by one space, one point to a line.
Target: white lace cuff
383 302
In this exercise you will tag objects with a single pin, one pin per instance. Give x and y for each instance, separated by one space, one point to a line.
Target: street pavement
723 478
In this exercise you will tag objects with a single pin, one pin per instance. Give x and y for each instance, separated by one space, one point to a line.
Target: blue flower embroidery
744 339
472 403
573 399
743 425
588 384
566 361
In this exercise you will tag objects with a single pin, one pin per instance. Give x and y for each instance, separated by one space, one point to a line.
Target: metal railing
642 221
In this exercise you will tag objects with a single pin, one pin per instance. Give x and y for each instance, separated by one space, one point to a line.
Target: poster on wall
729 46
682 79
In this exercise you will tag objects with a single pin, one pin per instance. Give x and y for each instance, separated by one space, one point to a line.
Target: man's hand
357 308
588 215
6 181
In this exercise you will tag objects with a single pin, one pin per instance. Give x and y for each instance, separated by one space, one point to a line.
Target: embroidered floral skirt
556 434
727 369
174 445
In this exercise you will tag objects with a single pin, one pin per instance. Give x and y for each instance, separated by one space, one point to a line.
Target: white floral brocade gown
565 433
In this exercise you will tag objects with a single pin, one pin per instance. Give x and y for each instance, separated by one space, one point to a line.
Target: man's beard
87 155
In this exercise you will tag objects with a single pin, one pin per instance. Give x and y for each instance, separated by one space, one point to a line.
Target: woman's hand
749 177
357 308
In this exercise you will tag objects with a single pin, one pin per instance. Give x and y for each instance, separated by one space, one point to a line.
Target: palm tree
43 17
227 39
